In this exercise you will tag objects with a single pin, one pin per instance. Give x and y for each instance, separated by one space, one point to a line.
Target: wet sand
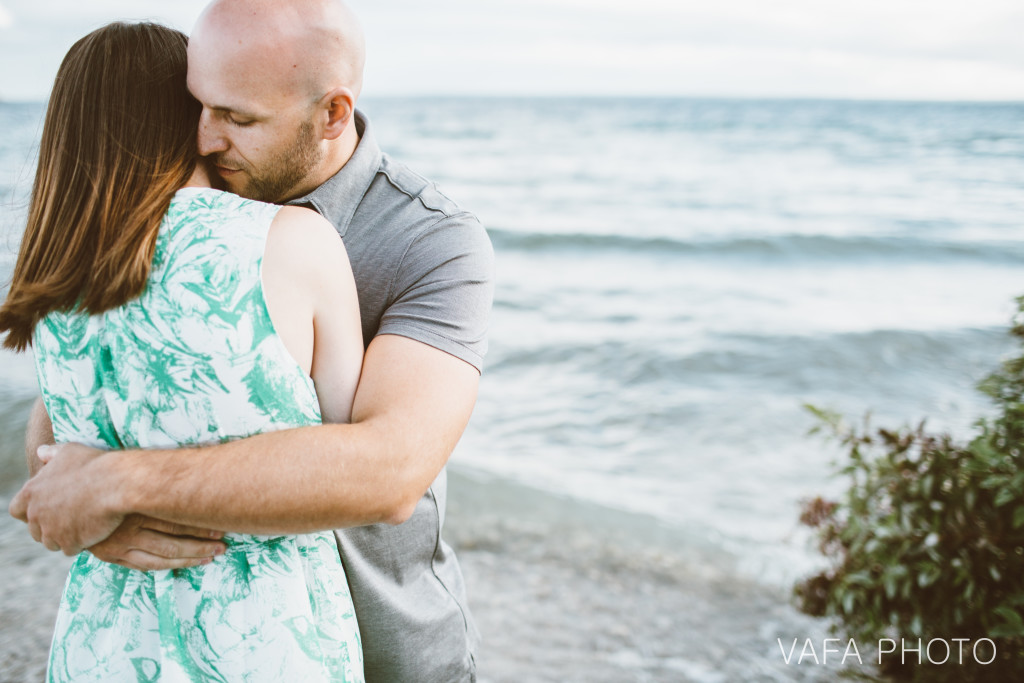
568 591
31 581
561 592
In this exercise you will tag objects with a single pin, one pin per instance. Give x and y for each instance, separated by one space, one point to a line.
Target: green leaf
848 603
1005 496
1005 632
859 579
926 484
1013 623
927 577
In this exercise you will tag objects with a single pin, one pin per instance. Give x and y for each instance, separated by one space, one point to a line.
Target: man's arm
140 542
411 407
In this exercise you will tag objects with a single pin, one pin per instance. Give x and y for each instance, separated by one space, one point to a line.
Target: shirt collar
337 198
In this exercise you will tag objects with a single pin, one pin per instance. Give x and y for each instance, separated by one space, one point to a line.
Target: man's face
260 139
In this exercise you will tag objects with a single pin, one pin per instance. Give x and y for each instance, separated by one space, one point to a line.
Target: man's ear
339 105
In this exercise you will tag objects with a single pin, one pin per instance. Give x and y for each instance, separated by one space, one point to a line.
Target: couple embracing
251 327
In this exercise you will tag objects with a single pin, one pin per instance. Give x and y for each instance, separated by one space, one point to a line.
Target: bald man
278 83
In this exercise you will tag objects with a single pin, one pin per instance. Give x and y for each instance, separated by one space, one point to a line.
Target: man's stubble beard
285 170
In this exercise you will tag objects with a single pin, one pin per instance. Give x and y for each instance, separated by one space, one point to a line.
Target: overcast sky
879 49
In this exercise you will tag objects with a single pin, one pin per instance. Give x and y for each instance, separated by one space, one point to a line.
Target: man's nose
210 138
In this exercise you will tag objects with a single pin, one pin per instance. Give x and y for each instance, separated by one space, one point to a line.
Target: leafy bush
928 541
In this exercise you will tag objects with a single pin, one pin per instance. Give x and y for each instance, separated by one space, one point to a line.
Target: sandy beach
559 590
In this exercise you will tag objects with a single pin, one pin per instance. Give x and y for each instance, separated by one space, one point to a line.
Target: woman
156 321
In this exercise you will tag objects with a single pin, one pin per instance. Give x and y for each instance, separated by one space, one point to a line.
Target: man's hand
73 502
149 544
141 542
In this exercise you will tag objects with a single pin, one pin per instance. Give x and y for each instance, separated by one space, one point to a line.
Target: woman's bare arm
38 431
311 297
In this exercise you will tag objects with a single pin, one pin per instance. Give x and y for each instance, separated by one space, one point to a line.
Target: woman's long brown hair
119 139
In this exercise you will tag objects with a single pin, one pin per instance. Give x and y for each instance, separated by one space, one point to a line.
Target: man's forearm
38 431
333 476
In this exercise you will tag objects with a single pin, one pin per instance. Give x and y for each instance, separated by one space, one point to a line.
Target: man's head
278 82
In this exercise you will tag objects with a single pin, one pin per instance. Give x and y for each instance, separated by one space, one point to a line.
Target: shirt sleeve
444 289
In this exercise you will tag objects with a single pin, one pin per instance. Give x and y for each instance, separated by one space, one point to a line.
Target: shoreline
569 591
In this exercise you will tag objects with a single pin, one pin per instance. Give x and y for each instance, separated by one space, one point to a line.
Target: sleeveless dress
194 360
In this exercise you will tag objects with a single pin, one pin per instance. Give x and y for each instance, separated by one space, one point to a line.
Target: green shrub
928 541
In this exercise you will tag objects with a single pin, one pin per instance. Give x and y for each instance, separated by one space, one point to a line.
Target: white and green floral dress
194 360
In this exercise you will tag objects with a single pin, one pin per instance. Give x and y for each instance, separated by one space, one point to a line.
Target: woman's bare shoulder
304 226
304 243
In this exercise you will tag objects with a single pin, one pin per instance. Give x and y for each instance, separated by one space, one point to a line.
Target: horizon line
642 96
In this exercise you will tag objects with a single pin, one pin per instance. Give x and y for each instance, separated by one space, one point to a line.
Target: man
279 83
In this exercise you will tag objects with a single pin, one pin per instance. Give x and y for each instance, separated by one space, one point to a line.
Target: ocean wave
787 247
786 362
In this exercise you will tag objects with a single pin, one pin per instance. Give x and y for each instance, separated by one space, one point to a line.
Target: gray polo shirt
424 270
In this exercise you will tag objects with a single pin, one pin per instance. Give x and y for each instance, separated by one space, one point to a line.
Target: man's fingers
46 452
136 545
140 559
19 508
49 543
173 529
147 550
175 547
